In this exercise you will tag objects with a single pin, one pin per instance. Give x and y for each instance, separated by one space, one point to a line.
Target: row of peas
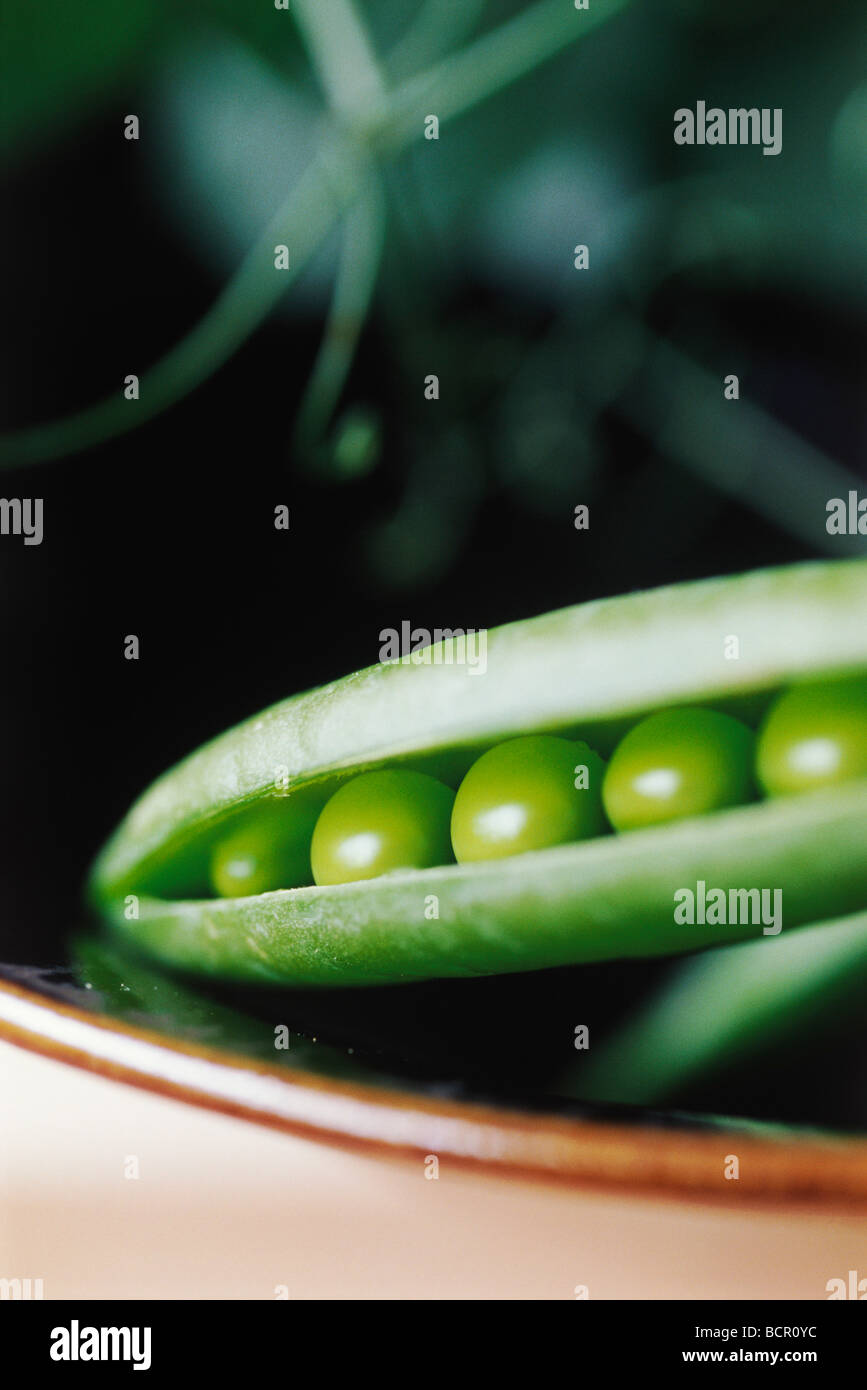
540 790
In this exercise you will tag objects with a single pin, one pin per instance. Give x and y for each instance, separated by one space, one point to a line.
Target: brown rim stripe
585 1152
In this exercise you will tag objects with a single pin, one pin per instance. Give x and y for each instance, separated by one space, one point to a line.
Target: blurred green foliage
555 129
60 60
57 62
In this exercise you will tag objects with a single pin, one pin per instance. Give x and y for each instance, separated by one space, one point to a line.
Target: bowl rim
804 1168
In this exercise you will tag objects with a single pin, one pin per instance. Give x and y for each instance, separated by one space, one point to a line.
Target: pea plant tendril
368 122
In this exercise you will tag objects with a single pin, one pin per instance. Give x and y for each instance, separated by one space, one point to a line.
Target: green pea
268 849
678 763
382 821
814 736
526 794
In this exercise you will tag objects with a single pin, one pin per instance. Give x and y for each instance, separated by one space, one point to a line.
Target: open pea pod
589 672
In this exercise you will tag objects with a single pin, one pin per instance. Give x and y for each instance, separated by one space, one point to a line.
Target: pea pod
588 672
728 1006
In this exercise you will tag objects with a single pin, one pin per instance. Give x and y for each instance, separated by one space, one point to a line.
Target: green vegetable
269 849
592 672
727 1008
379 822
682 762
814 736
529 793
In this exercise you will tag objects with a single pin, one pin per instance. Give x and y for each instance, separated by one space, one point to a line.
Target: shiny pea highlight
678 763
380 822
814 735
527 794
